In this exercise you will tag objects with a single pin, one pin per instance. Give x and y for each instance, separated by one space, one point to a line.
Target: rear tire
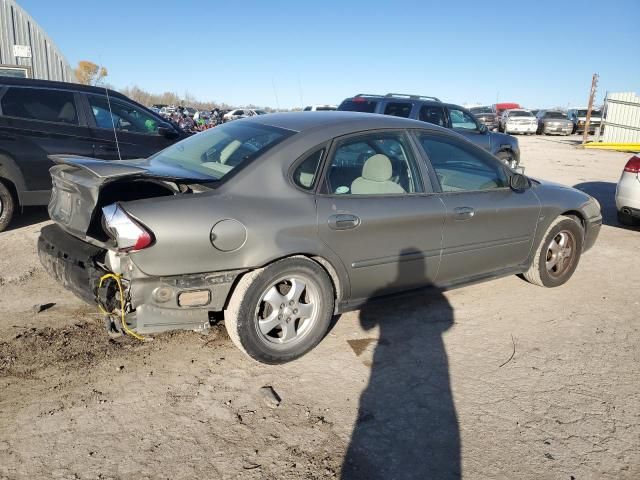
628 220
558 254
7 206
278 313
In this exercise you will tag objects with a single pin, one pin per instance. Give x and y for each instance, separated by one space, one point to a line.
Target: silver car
554 122
278 222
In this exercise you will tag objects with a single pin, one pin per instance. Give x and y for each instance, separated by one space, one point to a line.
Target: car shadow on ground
28 216
567 140
605 193
407 425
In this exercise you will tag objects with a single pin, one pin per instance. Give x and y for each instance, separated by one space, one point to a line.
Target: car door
464 123
379 214
135 128
488 226
35 123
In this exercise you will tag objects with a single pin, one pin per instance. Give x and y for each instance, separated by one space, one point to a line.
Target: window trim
322 189
79 110
317 181
433 176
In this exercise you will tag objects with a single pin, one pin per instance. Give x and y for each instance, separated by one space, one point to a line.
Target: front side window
461 167
36 104
110 113
214 153
434 115
461 119
376 164
398 109
306 172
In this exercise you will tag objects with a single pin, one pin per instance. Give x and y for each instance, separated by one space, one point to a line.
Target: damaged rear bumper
152 304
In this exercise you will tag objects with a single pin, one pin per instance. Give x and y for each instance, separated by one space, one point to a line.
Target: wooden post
594 85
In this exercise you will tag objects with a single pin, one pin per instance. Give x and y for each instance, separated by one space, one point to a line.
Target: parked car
554 122
628 193
40 118
242 113
352 207
579 118
486 115
499 108
319 108
518 121
432 110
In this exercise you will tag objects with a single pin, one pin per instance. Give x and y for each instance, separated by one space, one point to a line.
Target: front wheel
279 313
7 206
558 254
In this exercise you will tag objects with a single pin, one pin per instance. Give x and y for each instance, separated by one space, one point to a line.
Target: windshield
217 151
358 105
520 113
481 110
555 115
594 113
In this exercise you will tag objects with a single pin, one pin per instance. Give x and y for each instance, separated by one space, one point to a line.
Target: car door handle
105 148
463 213
343 221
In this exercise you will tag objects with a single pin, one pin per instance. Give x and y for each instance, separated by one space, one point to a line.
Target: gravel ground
423 382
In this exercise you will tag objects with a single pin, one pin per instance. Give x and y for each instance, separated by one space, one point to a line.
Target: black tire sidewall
8 206
578 233
245 324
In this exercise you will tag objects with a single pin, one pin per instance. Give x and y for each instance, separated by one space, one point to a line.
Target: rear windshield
594 113
520 113
217 151
481 110
358 105
555 115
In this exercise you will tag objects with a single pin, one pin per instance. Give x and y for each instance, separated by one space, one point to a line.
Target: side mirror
519 182
483 128
167 131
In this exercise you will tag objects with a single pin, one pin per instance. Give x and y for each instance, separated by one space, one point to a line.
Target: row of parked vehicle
511 118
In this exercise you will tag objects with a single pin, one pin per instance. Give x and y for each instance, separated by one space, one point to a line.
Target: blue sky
537 53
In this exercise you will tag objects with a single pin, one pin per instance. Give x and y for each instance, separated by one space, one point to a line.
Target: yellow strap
124 323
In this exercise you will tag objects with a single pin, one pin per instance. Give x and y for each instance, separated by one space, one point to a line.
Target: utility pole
594 85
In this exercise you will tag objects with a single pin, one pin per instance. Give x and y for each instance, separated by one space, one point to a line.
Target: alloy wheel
287 310
560 253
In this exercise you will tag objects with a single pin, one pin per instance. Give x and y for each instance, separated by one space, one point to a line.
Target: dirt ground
425 381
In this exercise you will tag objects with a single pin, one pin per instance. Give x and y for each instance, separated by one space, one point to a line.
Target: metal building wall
622 118
17 27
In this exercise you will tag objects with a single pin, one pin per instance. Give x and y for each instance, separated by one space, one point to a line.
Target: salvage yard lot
497 380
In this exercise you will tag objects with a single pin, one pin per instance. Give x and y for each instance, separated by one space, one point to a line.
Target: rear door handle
463 213
343 221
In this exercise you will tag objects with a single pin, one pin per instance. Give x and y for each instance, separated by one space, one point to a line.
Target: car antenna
113 123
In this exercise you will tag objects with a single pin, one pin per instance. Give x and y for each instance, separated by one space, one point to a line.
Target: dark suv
40 118
432 110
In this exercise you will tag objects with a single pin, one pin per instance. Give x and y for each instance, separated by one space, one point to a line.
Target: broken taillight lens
128 234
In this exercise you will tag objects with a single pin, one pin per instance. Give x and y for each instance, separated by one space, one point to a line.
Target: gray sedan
554 122
276 223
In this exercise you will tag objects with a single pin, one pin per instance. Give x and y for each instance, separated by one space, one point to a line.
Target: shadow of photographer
407 425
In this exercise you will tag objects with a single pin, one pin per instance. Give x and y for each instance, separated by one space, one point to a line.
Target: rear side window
433 115
398 109
306 172
358 105
125 117
45 105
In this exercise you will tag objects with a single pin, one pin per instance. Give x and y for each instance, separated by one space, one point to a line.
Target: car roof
31 82
352 121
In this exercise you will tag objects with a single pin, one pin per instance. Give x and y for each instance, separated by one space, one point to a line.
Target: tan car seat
376 178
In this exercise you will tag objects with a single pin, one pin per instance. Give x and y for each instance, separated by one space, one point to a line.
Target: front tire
280 312
558 254
7 206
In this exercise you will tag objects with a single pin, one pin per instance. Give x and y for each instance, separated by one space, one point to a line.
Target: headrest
377 168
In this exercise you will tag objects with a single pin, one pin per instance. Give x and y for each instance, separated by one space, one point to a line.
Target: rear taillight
128 234
633 165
